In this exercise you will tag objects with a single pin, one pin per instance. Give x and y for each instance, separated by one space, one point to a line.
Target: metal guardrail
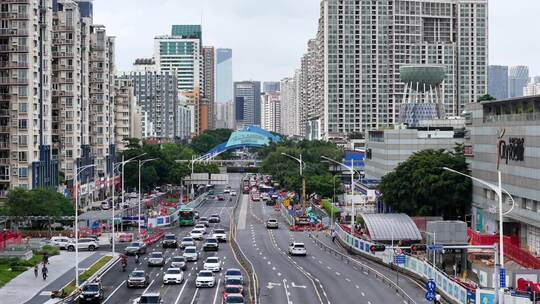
253 283
406 298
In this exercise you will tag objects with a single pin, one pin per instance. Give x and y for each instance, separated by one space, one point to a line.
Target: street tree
420 187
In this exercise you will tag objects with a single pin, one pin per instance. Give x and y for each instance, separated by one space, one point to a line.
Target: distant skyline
268 37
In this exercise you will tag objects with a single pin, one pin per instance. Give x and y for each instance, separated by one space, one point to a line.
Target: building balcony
4 145
16 1
97 79
63 28
58 93
94 58
13 15
9 81
8 98
4 161
62 80
63 41
13 49
60 54
13 65
96 70
13 32
97 47
4 178
62 67
4 113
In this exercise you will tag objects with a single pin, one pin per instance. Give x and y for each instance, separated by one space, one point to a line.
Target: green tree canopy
486 97
420 187
204 142
286 170
40 201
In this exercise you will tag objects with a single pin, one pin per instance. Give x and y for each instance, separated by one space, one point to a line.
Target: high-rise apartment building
70 100
207 104
312 86
498 81
157 94
224 89
127 116
181 54
271 86
26 96
518 77
102 68
247 99
366 42
290 106
271 111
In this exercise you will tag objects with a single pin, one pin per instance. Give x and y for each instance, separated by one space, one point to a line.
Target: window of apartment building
23 124
69 128
69 153
23 91
23 140
23 107
69 102
23 156
23 172
69 114
22 74
69 140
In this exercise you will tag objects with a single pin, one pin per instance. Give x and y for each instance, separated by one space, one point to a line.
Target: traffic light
375 248
418 247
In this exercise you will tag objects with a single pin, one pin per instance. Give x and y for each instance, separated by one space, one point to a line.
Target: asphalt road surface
114 282
316 278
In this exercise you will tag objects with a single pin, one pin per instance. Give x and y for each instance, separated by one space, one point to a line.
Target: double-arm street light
117 166
76 189
301 165
499 190
141 163
352 171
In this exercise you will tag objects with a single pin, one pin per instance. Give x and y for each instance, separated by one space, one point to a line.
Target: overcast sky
268 37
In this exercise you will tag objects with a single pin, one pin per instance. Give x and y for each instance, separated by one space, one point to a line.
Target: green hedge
11 268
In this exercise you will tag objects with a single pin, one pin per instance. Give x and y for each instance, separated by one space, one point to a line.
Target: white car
190 253
234 273
212 264
60 241
205 278
219 234
173 276
187 241
105 206
89 244
233 193
227 190
197 234
201 227
297 249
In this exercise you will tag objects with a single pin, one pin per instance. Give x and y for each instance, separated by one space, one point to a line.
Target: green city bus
186 216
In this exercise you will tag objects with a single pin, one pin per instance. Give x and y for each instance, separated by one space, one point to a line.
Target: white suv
60 241
297 249
84 243
205 278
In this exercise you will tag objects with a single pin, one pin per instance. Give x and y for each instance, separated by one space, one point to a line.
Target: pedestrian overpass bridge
248 137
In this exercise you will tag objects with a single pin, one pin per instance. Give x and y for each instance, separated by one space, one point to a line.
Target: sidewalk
27 287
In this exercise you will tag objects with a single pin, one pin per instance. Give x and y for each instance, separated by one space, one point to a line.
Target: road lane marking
287 293
114 291
217 289
195 295
363 294
148 287
181 291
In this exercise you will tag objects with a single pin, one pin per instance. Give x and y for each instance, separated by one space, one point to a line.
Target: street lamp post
352 171
301 164
141 163
124 162
76 186
499 190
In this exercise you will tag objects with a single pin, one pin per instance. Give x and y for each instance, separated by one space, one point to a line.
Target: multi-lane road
114 282
316 278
